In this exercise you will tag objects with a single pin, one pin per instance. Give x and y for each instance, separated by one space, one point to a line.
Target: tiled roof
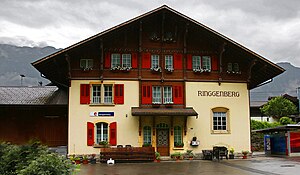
43 95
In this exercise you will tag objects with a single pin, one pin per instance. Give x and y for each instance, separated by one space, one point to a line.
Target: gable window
96 91
101 132
86 64
220 122
233 68
107 93
206 62
115 60
196 62
177 136
168 95
126 60
156 95
147 134
169 63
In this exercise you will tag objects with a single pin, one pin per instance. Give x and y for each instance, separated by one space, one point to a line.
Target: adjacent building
160 79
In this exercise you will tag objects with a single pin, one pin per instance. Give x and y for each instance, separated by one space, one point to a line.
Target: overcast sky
270 28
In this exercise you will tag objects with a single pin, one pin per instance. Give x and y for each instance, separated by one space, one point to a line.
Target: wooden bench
127 154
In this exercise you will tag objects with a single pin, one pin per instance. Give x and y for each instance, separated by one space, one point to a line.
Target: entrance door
162 141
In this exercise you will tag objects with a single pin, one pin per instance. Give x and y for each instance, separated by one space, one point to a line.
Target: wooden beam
67 58
101 59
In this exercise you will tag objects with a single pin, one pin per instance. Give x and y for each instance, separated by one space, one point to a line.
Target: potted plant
190 154
179 144
231 155
177 156
85 159
103 144
157 156
245 153
77 159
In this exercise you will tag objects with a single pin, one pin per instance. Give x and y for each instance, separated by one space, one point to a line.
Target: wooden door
162 142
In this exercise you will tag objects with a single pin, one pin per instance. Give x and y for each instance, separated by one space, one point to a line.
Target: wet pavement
252 166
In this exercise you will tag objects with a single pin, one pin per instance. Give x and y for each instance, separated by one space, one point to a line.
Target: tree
278 107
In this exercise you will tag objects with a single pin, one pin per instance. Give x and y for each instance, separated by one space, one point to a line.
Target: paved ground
258 165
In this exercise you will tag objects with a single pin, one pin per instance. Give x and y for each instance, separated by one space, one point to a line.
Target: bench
207 154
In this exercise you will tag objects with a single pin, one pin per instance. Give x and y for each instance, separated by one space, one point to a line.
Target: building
34 113
160 79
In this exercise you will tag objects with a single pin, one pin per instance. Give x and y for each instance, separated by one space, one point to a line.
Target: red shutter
107 62
90 134
113 133
134 60
214 61
119 94
177 61
178 94
189 62
146 94
146 60
84 94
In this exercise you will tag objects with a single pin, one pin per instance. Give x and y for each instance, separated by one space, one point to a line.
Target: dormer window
86 64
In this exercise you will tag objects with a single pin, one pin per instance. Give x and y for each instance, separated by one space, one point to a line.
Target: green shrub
22 160
286 120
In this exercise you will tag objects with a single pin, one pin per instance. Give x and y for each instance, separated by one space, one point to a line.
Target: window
101 132
206 62
229 67
115 60
169 62
126 60
86 64
156 95
147 134
236 67
107 93
219 121
168 95
177 136
154 61
96 94
196 62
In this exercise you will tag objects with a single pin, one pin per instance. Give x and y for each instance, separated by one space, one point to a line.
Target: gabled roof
276 70
44 95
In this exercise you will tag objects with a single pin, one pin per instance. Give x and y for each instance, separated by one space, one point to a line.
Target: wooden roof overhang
288 127
56 67
136 111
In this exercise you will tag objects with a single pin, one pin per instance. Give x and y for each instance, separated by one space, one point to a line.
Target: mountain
15 61
285 83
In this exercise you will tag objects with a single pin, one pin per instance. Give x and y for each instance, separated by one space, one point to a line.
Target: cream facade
79 115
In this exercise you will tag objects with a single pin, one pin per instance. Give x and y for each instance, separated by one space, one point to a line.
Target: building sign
102 114
218 94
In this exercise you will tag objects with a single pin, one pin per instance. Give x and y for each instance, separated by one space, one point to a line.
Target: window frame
220 110
103 93
86 63
169 62
103 136
178 135
147 135
96 91
196 62
156 95
126 60
115 61
155 61
206 62
167 91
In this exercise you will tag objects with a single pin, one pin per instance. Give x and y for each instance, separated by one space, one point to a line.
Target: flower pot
244 156
77 161
85 161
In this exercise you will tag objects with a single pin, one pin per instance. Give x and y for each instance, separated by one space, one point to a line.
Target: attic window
86 64
233 68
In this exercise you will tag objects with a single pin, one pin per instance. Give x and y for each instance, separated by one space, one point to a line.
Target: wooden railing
127 154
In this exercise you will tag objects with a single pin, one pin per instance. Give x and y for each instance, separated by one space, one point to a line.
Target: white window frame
126 60
167 96
154 61
115 60
206 62
101 132
147 136
86 63
219 121
169 62
108 93
196 62
156 94
96 93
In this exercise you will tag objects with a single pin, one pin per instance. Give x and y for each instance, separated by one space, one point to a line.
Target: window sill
178 148
220 132
102 104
